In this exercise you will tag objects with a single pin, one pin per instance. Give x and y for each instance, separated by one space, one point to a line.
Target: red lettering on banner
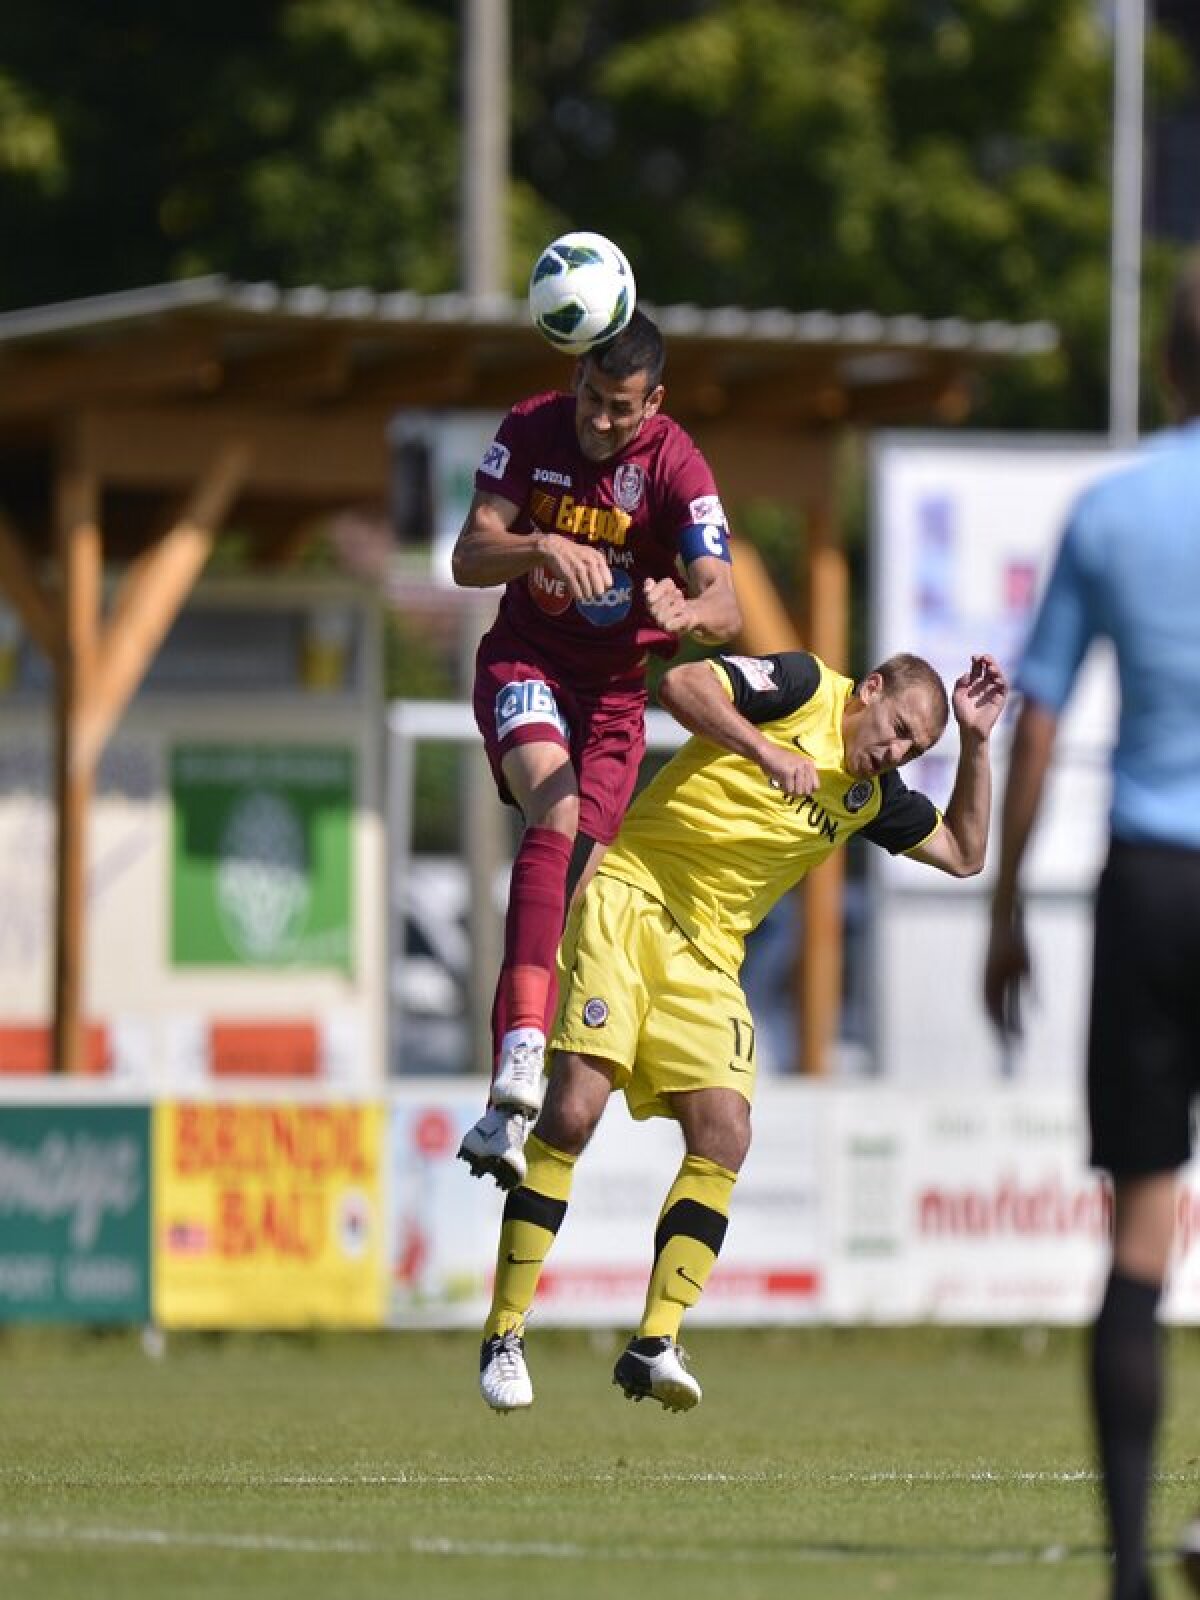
285 1222
317 1141
1051 1208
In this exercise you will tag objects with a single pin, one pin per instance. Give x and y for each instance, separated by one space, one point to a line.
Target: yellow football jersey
717 844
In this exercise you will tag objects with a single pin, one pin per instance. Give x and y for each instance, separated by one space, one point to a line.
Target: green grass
933 1464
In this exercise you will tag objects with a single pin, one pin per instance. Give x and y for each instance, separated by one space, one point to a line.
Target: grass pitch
912 1463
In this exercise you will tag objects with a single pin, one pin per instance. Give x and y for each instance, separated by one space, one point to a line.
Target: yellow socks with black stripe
687 1241
533 1214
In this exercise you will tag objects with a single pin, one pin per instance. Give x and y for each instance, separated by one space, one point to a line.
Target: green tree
941 157
300 140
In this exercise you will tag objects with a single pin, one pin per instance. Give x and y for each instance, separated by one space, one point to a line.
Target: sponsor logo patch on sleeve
707 509
495 459
757 673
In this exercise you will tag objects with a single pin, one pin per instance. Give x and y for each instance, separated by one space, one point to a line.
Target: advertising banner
261 858
268 1215
74 1214
443 1227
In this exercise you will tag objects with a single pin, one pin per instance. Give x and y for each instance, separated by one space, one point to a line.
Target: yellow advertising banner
268 1215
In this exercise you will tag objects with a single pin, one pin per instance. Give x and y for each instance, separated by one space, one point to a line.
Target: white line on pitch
62 1534
165 1538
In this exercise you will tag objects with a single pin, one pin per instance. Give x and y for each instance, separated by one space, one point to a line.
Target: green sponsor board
75 1213
261 856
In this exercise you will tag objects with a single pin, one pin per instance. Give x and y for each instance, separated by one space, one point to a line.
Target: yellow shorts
636 993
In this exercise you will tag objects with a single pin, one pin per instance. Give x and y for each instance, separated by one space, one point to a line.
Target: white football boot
496 1146
504 1380
521 1074
655 1369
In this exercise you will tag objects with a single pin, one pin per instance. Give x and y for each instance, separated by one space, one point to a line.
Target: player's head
618 387
895 714
1182 345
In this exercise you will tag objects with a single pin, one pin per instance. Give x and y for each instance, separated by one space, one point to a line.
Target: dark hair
637 348
905 671
1183 333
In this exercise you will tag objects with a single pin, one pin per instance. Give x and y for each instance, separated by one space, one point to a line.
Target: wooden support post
820 975
98 674
77 506
21 585
151 594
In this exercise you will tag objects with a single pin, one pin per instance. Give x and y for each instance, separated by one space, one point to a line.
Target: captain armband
704 539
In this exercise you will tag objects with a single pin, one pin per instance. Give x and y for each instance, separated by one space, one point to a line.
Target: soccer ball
581 292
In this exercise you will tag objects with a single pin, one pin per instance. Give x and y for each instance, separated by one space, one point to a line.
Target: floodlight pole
1124 353
485 70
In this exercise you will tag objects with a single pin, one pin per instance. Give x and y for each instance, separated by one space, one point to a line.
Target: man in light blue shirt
1128 570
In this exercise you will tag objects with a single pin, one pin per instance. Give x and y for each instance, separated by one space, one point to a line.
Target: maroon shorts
523 701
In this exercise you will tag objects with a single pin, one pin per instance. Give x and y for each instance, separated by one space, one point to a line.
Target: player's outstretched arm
696 697
959 846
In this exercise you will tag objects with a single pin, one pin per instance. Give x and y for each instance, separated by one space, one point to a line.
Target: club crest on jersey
613 606
858 794
595 1012
628 483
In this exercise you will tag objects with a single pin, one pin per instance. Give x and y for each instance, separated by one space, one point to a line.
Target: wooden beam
77 502
316 368
30 598
154 590
31 383
295 456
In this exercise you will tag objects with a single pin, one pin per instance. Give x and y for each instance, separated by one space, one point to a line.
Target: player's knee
566 1125
721 1134
561 813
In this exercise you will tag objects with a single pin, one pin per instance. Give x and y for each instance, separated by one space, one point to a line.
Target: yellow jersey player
789 760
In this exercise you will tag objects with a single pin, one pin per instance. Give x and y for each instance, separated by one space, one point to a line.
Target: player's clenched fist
580 566
788 770
667 604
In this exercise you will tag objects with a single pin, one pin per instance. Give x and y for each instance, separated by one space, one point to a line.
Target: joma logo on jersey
596 524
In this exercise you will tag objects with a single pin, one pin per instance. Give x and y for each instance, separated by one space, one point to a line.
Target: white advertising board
964 532
856 1204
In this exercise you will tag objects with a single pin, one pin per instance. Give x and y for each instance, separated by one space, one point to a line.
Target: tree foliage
940 157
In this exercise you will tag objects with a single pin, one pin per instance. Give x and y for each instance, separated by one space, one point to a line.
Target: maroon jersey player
601 518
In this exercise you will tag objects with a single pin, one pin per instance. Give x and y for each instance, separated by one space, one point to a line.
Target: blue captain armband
704 539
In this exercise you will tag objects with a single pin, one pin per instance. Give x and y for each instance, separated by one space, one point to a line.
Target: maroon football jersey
633 507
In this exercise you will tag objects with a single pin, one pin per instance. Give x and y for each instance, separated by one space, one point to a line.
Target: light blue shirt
1128 569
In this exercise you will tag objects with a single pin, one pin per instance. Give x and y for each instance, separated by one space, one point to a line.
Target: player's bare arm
708 613
1007 968
695 697
488 552
959 846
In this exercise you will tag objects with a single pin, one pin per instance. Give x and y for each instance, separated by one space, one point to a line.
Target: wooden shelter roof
154 378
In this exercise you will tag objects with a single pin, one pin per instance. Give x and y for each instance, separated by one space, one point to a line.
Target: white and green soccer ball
581 292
